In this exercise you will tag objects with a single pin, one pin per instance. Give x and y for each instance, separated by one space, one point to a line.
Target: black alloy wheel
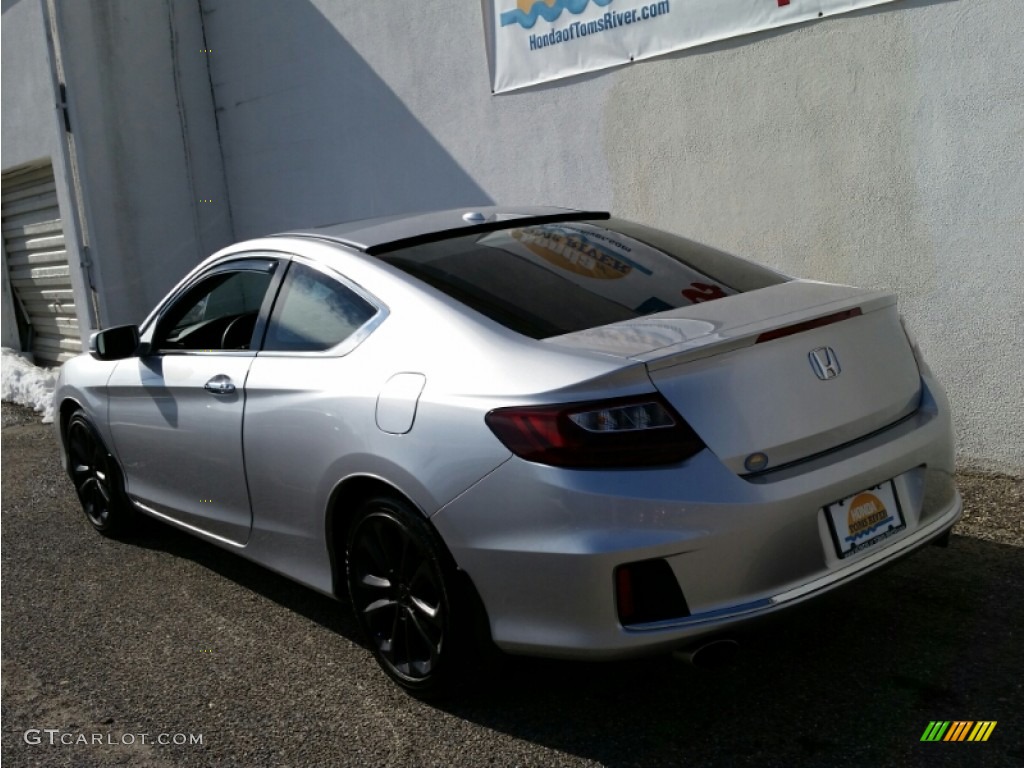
400 580
96 478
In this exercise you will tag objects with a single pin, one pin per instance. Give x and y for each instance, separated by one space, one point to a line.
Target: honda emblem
824 363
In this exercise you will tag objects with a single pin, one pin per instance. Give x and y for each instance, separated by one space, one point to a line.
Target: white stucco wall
881 148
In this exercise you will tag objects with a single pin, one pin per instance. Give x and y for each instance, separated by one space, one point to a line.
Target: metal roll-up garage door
37 263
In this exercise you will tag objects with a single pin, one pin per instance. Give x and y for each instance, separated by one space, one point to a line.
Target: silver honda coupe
555 432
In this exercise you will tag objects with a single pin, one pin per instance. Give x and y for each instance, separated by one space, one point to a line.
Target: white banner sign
534 41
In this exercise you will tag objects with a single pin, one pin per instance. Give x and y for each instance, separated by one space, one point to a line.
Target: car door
311 398
176 411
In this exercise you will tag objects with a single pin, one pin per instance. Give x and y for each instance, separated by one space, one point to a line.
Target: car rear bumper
727 616
542 544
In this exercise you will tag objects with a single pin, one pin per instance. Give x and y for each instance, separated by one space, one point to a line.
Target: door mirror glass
114 343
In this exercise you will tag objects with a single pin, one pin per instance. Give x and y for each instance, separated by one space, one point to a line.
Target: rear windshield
548 279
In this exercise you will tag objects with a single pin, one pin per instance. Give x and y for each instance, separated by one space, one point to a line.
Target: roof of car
390 233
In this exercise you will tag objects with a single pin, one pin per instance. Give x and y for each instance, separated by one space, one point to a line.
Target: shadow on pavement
852 679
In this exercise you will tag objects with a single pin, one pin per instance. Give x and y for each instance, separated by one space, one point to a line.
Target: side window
314 312
220 312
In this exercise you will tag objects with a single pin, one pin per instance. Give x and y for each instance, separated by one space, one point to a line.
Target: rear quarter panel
311 420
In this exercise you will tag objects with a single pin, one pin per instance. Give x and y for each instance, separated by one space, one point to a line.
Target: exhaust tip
717 654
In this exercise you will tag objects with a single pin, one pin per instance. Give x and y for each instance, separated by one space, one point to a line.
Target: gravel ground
166 634
993 508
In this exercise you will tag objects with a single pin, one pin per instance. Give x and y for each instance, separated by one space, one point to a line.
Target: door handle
220 385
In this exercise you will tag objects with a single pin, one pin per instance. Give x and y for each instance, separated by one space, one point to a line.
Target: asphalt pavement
111 647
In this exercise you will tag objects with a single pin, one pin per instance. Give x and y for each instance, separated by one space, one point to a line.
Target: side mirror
114 343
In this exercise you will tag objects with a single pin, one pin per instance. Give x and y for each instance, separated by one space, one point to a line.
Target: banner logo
527 12
958 730
536 41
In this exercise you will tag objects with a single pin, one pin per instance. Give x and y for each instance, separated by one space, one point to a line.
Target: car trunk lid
788 371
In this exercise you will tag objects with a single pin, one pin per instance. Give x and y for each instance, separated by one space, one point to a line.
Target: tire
97 478
407 598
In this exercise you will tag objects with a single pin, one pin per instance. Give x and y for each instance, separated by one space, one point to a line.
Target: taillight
625 432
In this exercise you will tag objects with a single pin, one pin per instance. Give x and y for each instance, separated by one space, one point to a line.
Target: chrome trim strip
190 528
771 474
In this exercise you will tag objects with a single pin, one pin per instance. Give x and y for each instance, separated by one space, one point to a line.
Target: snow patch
27 384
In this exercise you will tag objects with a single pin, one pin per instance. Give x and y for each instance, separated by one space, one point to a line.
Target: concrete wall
29 127
312 134
142 112
881 148
32 131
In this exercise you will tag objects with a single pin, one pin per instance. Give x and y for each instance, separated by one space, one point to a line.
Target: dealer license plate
865 519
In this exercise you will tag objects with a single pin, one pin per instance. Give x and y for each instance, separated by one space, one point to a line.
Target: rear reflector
624 594
647 591
624 432
807 325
